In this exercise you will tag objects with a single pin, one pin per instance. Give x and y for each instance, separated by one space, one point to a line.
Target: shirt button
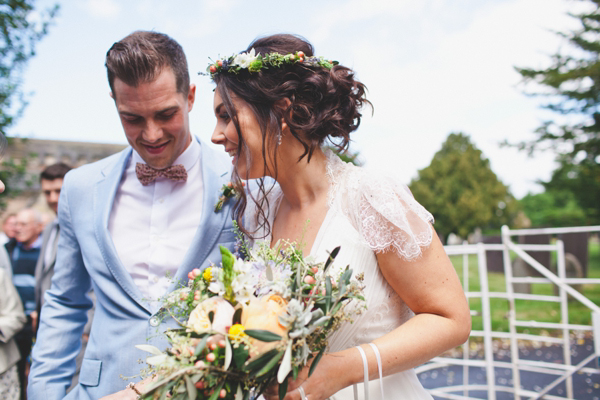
154 321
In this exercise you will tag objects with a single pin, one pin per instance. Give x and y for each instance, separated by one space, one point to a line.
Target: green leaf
331 257
228 354
237 317
272 363
240 356
328 289
315 362
283 389
286 364
262 335
216 392
295 372
227 259
201 346
260 360
191 388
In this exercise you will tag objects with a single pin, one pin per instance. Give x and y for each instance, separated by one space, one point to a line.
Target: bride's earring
279 135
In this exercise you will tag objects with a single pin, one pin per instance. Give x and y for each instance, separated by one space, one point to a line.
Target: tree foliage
553 208
572 83
461 191
20 29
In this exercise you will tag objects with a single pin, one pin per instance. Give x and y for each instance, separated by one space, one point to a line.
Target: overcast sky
432 67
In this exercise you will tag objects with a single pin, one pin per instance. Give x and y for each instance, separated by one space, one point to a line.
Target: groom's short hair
141 56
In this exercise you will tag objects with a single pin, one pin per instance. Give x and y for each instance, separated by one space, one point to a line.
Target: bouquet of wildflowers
250 323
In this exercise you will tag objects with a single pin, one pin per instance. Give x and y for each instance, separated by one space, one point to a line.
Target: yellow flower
207 275
237 331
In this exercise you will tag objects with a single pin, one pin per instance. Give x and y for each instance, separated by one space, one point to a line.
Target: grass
528 310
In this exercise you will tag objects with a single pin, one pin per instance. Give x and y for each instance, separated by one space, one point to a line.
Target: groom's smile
155 119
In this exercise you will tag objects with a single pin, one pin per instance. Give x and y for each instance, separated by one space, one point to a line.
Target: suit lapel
211 223
104 196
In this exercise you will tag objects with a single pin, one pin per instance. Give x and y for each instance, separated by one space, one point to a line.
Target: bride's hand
323 383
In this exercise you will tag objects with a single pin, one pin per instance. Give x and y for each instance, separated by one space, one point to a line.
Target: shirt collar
36 245
188 158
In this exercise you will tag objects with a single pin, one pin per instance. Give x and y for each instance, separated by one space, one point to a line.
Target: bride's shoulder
381 208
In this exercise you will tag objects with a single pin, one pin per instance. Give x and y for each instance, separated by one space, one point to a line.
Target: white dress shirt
153 226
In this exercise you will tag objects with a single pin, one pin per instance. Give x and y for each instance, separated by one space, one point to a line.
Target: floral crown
256 62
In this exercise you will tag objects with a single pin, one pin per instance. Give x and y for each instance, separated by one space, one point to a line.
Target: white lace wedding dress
368 213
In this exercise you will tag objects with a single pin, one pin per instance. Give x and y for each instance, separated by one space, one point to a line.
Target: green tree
21 28
461 191
553 208
572 83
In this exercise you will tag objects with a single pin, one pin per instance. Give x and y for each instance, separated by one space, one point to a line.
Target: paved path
586 386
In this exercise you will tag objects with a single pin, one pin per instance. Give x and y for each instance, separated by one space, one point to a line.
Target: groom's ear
111 95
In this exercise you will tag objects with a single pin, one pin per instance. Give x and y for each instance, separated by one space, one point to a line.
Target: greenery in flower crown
256 62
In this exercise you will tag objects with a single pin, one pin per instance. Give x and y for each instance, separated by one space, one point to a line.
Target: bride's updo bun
323 106
325 103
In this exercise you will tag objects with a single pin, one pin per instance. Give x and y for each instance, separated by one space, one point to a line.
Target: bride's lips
156 149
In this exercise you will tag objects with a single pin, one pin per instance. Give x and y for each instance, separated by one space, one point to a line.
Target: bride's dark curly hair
324 106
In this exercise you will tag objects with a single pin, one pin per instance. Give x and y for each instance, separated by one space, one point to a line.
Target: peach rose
263 313
223 310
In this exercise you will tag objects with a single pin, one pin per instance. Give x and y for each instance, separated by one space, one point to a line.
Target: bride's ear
284 105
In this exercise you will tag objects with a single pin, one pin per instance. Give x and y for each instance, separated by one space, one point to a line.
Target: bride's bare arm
431 288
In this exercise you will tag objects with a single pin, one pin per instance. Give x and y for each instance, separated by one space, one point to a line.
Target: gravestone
493 257
577 245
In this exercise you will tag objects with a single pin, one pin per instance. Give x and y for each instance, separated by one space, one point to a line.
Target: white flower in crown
244 59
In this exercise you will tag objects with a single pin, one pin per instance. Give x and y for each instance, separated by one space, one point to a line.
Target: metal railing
562 372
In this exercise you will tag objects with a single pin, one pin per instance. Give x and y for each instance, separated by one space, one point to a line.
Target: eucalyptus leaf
201 346
149 349
262 335
228 354
155 360
217 390
331 257
328 289
283 389
211 316
272 363
315 362
260 360
239 395
191 388
240 355
286 364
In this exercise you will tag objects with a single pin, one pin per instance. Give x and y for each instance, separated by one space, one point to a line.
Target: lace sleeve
384 212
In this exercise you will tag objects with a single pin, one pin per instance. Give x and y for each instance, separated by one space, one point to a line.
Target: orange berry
300 54
222 393
222 344
212 346
200 385
212 69
220 63
309 279
300 59
210 357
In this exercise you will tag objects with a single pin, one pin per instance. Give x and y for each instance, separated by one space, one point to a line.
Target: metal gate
560 372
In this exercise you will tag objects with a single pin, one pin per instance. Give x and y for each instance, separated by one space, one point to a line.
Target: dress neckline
332 162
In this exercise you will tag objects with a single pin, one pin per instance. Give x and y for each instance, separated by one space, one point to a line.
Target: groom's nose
152 132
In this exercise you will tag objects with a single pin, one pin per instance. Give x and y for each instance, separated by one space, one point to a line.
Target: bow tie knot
146 174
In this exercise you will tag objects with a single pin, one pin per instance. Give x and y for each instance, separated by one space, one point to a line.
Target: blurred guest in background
23 255
9 228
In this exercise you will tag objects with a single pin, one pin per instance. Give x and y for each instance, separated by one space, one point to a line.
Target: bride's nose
218 137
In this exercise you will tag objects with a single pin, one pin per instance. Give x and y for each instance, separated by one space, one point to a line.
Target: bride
274 114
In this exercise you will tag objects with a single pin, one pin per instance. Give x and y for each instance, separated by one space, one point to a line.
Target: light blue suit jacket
86 258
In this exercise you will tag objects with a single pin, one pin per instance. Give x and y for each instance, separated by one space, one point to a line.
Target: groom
127 223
